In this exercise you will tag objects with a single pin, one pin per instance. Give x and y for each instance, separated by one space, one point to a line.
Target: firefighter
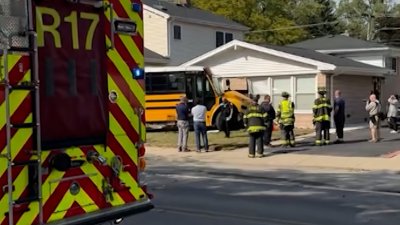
285 117
255 120
322 110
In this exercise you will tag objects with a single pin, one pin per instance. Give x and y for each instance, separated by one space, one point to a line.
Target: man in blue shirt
182 112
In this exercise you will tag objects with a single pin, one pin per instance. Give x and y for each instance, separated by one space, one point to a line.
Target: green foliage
261 16
360 16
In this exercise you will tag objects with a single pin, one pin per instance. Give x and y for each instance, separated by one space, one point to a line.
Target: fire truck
72 122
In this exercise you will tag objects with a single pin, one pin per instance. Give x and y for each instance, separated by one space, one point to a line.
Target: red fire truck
72 123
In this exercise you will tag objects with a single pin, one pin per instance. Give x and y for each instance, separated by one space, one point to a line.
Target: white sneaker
393 132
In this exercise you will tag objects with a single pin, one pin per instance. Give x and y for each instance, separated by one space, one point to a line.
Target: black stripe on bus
162 107
163 100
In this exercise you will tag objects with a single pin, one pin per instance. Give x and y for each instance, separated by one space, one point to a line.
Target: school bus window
165 82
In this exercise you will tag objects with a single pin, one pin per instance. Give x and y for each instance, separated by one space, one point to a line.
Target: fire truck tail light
142 150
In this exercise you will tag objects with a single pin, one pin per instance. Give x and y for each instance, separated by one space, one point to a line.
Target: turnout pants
256 139
322 127
287 134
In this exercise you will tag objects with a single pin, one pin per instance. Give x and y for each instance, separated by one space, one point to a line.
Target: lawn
216 140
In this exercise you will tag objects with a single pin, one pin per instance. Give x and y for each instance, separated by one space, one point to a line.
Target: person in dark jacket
269 109
255 119
322 110
339 115
182 112
226 116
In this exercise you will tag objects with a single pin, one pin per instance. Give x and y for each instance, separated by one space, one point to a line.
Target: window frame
177 31
219 38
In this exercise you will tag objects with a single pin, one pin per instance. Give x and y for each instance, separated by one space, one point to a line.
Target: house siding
195 40
243 62
375 60
355 89
155 33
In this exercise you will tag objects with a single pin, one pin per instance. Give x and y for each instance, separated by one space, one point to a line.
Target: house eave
362 71
350 50
211 24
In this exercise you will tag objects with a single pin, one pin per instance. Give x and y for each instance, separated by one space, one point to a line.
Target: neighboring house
179 32
273 69
368 52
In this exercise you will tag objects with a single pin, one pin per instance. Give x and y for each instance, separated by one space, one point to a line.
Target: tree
261 16
360 16
322 12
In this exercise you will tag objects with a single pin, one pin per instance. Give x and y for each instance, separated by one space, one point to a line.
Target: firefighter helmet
285 94
322 91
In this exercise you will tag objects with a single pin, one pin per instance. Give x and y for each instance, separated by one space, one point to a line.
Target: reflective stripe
255 128
250 115
322 118
322 106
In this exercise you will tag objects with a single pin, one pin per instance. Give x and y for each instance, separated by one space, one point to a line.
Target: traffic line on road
281 183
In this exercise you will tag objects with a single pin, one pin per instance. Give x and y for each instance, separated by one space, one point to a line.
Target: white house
368 52
179 32
274 69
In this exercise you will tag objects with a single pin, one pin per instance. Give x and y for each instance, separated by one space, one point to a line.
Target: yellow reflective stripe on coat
251 115
322 118
321 106
255 128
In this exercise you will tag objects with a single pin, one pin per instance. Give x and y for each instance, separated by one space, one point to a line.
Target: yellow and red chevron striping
123 134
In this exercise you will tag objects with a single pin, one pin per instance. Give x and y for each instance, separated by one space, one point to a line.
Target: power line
294 27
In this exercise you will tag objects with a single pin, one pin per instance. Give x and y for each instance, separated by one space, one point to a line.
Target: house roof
192 14
153 57
321 57
323 62
338 42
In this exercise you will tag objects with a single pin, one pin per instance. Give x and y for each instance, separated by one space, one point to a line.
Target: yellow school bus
166 85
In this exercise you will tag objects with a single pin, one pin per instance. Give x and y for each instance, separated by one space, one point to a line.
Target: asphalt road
184 197
356 145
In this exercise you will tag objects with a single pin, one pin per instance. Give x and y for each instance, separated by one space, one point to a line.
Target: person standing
254 120
392 114
199 112
269 109
182 111
339 115
226 116
373 108
285 117
322 110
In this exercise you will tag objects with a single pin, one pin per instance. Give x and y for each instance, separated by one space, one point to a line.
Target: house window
220 38
177 32
279 85
228 37
305 92
391 63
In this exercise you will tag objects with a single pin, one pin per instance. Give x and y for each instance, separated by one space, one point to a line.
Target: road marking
275 183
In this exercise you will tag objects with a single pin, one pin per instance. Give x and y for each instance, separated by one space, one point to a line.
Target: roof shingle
333 42
180 11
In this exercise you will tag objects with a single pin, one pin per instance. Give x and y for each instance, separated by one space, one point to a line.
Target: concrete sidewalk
289 158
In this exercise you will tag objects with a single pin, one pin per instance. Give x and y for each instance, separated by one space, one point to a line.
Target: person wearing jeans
199 112
182 112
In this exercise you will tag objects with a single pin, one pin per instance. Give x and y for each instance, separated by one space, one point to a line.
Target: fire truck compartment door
73 88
